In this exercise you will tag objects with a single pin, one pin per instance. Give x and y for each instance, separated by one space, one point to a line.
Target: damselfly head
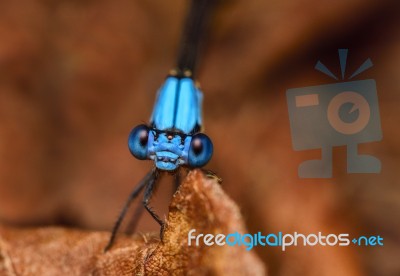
170 150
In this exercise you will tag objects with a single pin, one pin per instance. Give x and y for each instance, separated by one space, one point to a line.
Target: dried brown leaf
199 204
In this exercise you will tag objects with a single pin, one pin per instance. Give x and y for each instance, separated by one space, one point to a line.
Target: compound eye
200 151
137 141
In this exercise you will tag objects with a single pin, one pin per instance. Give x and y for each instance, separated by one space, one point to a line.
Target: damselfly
173 138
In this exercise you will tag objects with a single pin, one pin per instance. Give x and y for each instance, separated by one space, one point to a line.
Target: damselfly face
173 139
170 150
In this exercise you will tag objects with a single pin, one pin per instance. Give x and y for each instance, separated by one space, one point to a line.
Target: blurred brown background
76 76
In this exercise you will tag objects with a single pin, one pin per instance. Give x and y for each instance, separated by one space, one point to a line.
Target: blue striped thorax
173 139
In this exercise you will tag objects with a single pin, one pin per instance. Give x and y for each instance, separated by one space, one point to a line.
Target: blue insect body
172 140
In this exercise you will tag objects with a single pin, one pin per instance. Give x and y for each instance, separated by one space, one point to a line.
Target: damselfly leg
140 207
177 180
212 175
149 178
146 199
134 219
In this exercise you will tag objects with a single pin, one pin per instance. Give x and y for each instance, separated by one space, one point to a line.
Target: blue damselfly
173 139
